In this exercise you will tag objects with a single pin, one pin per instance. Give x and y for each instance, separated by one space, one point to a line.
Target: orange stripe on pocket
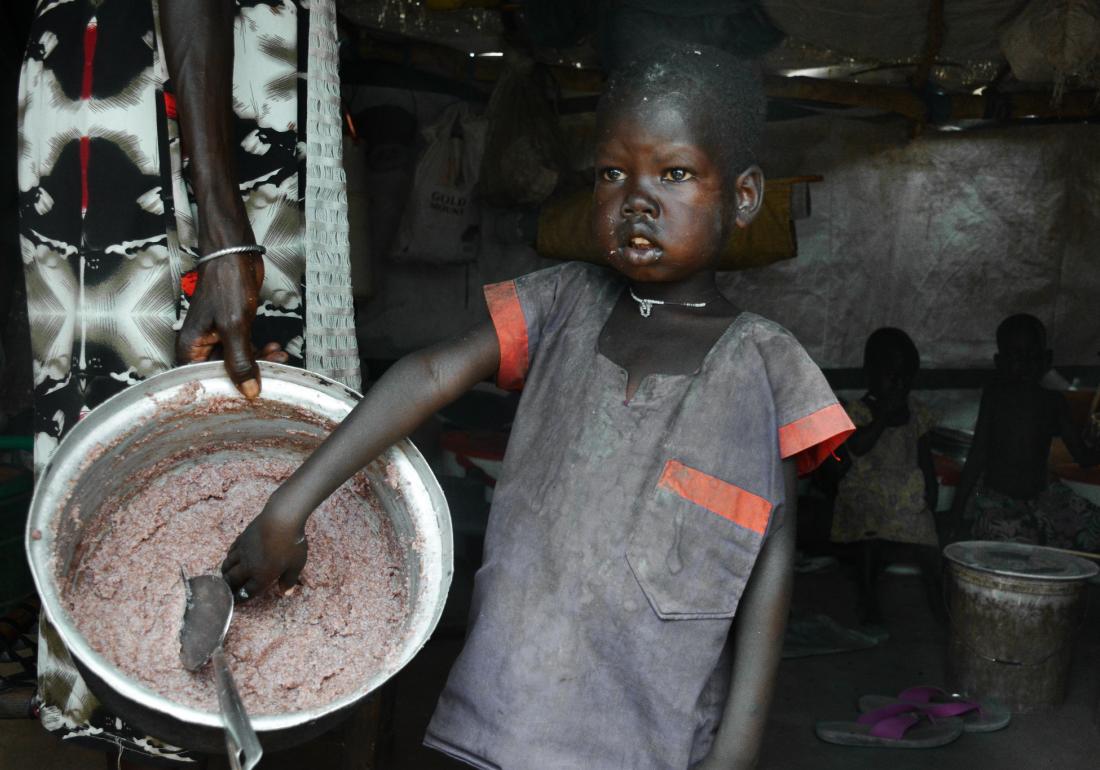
727 500
511 327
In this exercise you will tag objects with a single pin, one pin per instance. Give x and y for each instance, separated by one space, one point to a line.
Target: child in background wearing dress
637 567
888 495
1005 492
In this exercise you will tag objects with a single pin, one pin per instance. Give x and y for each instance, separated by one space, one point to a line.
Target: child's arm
928 470
866 436
1081 453
273 545
758 642
976 460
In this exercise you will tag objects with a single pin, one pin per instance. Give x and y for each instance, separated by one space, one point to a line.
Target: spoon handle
240 739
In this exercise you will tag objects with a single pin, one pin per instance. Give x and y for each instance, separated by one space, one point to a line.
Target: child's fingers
232 559
289 578
236 576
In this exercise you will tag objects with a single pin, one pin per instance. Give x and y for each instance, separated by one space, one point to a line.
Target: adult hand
272 547
221 314
272 352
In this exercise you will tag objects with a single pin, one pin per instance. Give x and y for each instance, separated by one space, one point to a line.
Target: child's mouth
639 250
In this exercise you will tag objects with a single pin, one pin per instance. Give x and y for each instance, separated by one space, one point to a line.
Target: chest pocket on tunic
695 542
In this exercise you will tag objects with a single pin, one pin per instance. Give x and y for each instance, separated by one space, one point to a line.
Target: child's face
664 205
889 376
1023 357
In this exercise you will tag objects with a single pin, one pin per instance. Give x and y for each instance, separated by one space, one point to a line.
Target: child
888 494
1004 493
647 492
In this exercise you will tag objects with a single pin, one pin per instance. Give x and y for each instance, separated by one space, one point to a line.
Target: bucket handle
1003 661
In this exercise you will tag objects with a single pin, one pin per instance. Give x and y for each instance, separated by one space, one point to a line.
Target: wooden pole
932 45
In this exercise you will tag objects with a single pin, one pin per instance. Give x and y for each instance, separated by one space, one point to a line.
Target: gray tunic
621 535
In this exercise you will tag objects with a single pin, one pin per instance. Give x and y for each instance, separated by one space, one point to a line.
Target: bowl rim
324 397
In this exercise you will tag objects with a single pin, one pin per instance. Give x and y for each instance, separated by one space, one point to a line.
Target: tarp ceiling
876 41
894 30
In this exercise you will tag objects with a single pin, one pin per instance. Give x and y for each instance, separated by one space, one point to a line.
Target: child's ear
748 195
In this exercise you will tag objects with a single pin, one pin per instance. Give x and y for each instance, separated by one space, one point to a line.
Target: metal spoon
205 621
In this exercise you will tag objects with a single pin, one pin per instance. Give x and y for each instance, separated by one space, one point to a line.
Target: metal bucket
197 406
1015 610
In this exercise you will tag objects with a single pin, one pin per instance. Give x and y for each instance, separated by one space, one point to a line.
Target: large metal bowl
197 406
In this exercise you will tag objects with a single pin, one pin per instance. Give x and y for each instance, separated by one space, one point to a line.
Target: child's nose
637 204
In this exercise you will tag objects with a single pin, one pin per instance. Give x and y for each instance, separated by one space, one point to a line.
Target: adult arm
758 642
273 545
198 44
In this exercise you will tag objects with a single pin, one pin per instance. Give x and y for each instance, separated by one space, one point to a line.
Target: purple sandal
898 725
977 716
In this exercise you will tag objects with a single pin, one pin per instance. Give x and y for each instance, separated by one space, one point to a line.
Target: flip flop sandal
977 716
899 726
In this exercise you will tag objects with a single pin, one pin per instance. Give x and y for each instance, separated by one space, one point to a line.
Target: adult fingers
239 363
204 348
273 352
196 337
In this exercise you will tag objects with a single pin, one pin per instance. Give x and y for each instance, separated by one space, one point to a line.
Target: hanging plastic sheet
943 236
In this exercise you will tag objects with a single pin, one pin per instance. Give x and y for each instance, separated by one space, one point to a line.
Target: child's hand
272 547
891 406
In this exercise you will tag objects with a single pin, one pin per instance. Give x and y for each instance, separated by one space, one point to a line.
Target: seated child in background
647 492
1004 492
888 494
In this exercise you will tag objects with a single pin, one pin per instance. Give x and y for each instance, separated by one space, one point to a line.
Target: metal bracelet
231 250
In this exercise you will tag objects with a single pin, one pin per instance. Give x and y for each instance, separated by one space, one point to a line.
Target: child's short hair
711 82
886 341
1021 324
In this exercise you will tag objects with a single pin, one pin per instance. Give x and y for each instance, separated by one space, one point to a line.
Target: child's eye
677 175
612 174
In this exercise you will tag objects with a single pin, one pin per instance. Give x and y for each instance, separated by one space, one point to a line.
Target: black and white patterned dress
108 235
107 220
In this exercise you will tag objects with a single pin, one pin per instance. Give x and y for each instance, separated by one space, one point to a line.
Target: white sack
440 222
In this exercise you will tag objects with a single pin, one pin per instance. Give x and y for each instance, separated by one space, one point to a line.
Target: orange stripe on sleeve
814 437
727 500
511 328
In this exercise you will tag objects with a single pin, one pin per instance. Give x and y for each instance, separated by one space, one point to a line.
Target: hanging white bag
441 221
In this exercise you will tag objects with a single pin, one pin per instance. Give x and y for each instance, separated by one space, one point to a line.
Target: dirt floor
822 687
